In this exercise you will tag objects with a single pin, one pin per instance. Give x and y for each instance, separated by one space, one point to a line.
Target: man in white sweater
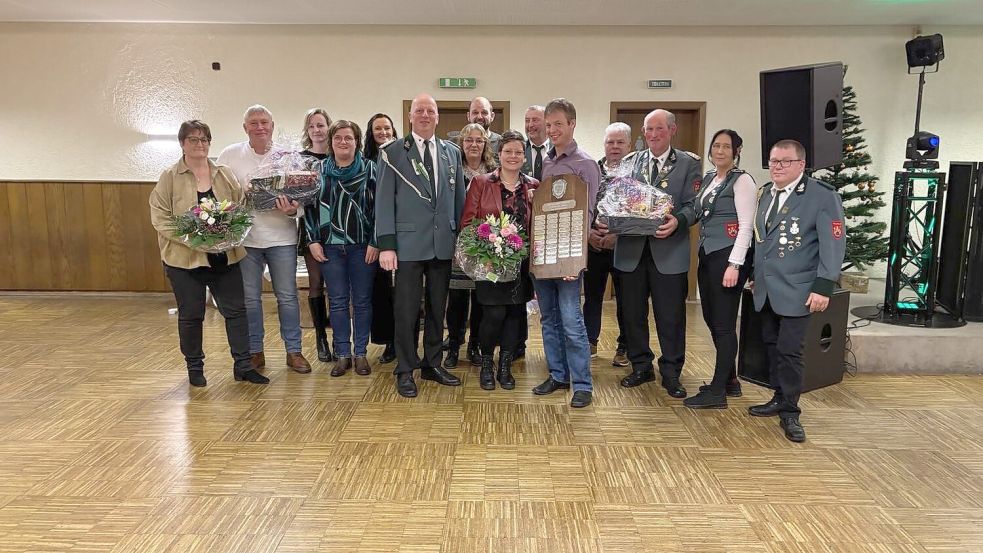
271 242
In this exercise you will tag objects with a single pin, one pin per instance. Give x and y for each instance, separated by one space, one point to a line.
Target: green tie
774 210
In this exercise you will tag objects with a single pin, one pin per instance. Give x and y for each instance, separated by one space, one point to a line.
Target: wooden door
690 135
454 116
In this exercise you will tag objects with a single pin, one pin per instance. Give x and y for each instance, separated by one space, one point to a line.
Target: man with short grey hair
482 113
272 243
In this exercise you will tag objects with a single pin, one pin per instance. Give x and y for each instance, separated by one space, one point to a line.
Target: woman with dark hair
479 159
193 178
725 207
314 140
503 304
379 131
341 236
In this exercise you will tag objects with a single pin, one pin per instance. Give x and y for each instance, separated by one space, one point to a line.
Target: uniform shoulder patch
692 155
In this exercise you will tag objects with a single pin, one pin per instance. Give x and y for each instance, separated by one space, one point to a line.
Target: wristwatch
734 266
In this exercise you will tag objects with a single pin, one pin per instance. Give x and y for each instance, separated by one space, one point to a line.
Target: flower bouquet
491 250
284 173
213 226
632 207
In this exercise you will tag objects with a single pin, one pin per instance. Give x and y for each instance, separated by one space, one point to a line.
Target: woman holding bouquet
479 159
503 304
725 207
181 188
340 232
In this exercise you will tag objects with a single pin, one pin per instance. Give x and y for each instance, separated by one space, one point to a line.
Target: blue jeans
350 280
282 261
564 332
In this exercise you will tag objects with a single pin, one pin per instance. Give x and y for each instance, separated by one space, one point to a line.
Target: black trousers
189 292
409 290
599 266
501 325
784 339
668 295
458 302
720 308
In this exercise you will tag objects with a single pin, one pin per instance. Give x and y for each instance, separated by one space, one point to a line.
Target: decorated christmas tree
866 243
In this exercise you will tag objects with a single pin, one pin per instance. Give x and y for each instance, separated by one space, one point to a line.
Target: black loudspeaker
806 104
824 356
961 189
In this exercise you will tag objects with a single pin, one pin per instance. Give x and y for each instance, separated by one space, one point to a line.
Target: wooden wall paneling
132 241
73 243
115 231
153 270
96 276
6 246
37 221
60 226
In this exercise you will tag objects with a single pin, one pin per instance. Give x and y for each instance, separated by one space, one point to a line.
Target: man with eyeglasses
800 241
419 200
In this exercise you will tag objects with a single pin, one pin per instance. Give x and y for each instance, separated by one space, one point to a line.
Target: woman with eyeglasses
314 139
725 207
341 236
479 159
503 304
181 187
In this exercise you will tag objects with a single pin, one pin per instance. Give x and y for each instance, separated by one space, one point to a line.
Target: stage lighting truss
913 257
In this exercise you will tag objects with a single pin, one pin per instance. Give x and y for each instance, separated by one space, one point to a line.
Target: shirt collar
789 188
662 158
182 167
571 148
420 140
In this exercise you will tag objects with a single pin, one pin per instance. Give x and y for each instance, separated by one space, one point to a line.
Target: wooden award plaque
560 226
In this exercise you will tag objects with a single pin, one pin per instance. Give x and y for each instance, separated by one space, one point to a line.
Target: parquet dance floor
105 447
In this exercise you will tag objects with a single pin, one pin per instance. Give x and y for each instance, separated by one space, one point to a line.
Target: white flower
203 215
211 220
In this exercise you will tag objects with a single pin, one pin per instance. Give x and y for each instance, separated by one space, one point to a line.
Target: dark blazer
485 197
420 223
682 181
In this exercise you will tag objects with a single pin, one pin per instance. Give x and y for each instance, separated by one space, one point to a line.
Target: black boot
319 315
474 354
487 376
389 354
504 375
197 378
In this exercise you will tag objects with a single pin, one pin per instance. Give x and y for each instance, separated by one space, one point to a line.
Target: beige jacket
177 192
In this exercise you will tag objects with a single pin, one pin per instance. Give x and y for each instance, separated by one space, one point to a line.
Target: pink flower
506 231
492 237
484 231
515 241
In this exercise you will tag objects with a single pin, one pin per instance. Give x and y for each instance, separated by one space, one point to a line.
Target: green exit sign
458 82
660 83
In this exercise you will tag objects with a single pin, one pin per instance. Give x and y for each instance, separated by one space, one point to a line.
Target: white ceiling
504 12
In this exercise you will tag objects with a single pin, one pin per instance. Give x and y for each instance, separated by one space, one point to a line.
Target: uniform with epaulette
417 215
799 249
657 268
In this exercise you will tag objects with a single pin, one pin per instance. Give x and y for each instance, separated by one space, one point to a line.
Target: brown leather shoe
258 361
362 367
341 366
297 362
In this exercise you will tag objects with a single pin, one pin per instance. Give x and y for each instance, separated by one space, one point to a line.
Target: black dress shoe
637 378
673 387
389 354
769 409
405 385
706 399
439 375
197 378
793 430
549 386
581 398
451 361
732 388
250 376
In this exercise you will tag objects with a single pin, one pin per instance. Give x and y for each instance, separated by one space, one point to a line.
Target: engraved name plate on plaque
559 227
